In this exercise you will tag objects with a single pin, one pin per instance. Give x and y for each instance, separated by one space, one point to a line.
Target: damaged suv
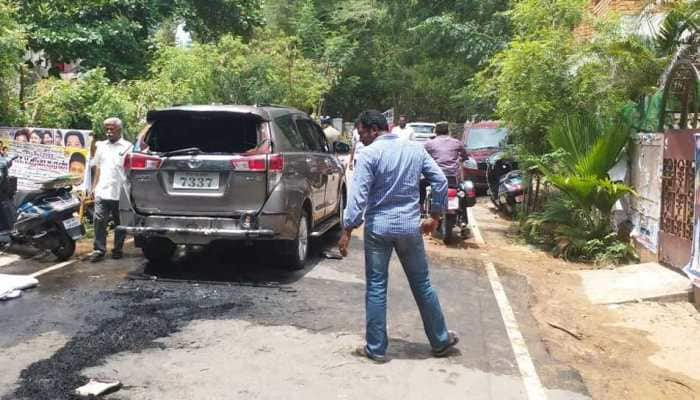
253 173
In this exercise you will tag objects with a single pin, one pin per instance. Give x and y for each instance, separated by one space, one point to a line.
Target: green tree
563 73
12 44
118 35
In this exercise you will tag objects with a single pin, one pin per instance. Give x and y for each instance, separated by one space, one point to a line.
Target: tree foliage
12 44
577 222
563 73
118 35
230 71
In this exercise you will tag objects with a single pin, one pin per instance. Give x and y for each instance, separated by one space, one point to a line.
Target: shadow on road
234 263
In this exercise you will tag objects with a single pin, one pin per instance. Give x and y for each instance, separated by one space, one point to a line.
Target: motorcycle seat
23 196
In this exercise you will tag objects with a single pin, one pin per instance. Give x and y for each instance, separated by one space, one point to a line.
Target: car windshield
208 133
482 138
423 128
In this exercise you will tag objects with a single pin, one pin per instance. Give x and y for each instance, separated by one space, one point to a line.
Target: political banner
44 154
693 267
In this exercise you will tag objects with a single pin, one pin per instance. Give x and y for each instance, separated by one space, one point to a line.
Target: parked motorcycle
45 218
460 196
505 182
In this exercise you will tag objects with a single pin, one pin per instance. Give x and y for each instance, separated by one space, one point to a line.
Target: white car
422 131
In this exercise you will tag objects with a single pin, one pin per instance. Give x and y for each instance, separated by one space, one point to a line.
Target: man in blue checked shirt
385 193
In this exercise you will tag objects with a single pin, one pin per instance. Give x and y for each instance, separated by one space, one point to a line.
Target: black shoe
452 340
96 256
117 254
362 352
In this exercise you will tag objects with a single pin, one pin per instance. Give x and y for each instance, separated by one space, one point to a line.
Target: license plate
453 203
519 198
71 223
196 180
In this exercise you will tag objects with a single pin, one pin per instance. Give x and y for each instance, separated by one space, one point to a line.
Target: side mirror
341 148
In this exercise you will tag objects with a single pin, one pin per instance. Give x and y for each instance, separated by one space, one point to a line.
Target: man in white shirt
332 134
357 146
107 184
404 132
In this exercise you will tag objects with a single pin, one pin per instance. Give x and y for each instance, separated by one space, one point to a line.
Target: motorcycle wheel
446 227
509 206
65 249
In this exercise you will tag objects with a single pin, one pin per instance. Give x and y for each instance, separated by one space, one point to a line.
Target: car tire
340 212
158 250
297 250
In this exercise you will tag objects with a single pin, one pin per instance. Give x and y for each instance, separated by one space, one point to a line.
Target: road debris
97 387
574 334
12 285
332 255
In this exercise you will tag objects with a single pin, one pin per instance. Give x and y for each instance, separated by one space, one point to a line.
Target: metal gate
677 198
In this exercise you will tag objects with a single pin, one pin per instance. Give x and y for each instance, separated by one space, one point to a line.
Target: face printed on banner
74 139
35 138
58 139
22 135
47 138
76 166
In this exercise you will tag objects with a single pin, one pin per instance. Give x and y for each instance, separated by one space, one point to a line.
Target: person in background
448 153
74 139
404 132
332 134
107 183
357 146
384 197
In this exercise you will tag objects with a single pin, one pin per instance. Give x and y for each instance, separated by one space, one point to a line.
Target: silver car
206 173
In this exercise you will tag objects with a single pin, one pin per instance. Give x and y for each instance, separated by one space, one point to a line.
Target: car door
316 166
333 171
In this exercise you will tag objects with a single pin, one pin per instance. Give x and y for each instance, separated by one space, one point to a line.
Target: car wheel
340 212
158 250
298 249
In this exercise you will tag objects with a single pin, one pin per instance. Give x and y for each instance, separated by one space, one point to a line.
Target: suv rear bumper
195 230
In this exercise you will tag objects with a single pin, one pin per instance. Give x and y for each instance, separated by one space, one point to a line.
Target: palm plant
579 219
679 28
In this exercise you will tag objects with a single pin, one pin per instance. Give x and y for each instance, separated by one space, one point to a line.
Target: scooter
460 196
45 218
505 181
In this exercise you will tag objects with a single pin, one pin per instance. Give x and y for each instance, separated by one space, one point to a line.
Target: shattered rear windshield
209 133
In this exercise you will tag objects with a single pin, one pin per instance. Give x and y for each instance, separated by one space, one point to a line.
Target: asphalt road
225 324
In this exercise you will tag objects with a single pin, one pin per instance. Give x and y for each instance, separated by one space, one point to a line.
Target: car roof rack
270 105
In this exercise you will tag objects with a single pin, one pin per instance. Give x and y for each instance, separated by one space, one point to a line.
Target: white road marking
52 268
474 227
7 259
533 385
63 264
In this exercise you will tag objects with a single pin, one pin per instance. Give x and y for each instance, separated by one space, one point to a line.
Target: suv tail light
451 192
137 161
261 163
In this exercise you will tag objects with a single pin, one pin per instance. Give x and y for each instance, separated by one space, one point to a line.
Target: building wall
646 163
624 7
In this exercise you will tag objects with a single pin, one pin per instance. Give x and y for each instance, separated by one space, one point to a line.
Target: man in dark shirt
447 151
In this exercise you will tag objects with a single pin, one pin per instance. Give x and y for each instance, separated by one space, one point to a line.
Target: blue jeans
409 248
